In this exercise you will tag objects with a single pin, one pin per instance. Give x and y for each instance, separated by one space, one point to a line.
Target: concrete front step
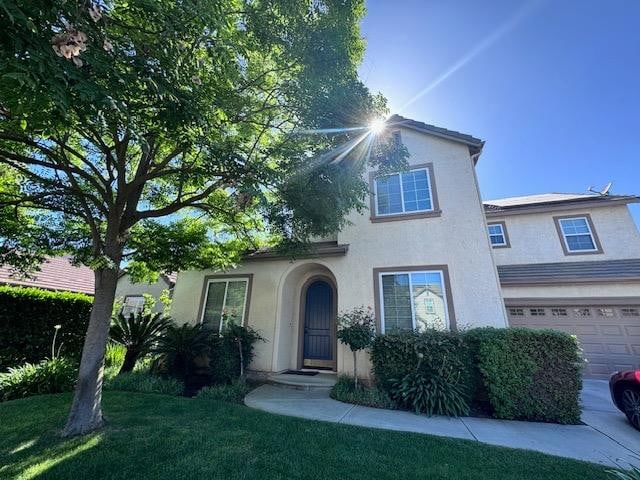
321 381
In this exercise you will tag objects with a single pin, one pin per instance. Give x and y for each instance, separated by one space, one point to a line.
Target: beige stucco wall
584 290
458 239
534 238
127 288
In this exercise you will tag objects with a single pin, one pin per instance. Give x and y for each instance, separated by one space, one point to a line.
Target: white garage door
609 334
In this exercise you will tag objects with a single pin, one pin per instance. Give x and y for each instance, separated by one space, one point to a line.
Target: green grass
161 437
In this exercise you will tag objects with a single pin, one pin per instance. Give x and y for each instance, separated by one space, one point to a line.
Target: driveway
606 438
600 414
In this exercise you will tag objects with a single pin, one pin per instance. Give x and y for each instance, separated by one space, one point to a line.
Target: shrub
27 320
144 382
180 346
138 334
232 352
114 356
48 376
428 372
233 392
346 390
528 374
357 330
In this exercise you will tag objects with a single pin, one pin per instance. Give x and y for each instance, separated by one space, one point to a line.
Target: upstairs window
406 192
498 234
577 235
132 304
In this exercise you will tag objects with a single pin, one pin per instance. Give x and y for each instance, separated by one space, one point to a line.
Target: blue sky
552 86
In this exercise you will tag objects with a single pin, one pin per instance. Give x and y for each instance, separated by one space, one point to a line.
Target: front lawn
161 437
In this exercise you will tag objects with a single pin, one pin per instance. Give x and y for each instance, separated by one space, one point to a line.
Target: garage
608 332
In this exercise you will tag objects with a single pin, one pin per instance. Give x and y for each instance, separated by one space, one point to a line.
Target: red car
625 392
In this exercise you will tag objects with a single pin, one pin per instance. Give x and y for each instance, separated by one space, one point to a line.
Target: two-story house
428 253
572 262
420 257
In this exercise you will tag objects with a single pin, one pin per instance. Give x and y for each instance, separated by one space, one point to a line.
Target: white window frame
137 310
226 281
413 308
565 235
502 233
403 212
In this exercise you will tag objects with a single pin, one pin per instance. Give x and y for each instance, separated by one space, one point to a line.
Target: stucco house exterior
572 262
132 294
426 230
428 253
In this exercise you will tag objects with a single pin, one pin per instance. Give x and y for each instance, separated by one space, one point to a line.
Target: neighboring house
572 262
56 273
132 294
421 256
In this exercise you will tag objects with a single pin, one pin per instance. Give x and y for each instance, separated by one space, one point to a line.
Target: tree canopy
177 134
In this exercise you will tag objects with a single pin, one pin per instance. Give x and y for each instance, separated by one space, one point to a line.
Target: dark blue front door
318 320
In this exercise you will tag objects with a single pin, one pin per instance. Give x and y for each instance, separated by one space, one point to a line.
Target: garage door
609 334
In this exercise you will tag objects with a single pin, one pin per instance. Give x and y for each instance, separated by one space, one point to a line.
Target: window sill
405 216
588 252
500 246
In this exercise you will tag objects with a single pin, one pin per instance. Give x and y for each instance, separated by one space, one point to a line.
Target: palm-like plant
179 346
138 334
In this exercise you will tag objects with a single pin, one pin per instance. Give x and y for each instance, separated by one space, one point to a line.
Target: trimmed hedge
528 374
27 320
512 373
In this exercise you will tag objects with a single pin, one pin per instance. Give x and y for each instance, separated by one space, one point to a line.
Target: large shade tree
176 134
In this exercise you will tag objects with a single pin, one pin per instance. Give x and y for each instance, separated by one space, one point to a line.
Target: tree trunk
355 369
241 359
130 359
86 410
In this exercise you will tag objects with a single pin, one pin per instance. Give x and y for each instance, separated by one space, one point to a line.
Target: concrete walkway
606 438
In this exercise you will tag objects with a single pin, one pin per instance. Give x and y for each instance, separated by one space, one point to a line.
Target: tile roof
544 199
570 272
56 273
469 140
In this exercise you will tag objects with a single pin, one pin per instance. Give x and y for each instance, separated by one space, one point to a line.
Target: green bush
357 330
143 382
27 320
428 372
179 348
233 392
224 354
138 333
345 390
48 376
528 374
114 355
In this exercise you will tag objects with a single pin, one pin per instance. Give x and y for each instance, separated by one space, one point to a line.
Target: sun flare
377 126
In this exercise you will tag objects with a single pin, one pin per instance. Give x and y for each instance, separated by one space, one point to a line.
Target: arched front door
318 322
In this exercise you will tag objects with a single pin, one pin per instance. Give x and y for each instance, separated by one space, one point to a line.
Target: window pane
214 305
497 240
234 306
133 305
415 187
580 242
388 195
396 298
572 226
428 301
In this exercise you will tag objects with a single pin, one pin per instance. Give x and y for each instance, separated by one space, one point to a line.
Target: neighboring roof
56 273
552 201
475 144
570 272
318 249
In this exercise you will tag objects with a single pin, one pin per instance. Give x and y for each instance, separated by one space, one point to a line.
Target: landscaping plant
346 390
180 347
357 330
233 351
28 320
48 376
233 392
528 374
138 333
144 382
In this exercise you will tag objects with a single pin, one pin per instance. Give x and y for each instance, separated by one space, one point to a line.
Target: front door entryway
319 325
